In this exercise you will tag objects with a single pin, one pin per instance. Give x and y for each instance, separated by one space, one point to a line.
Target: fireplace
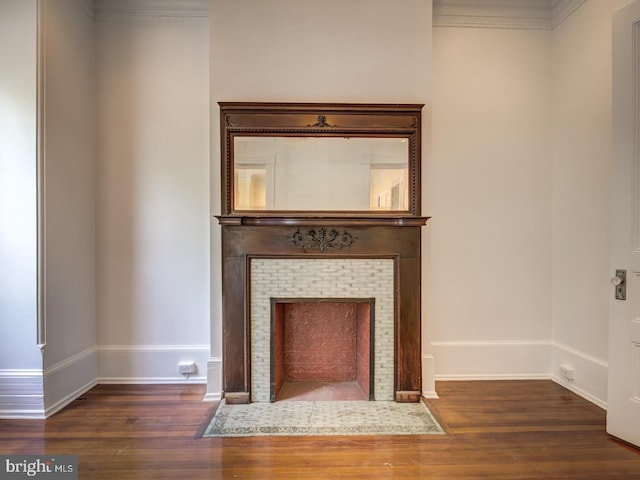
262 263
322 349
336 215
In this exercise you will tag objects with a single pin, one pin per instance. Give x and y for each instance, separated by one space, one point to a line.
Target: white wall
330 51
516 172
520 237
20 358
153 197
581 190
70 358
489 193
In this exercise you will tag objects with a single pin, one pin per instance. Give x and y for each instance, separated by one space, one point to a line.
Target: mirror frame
320 120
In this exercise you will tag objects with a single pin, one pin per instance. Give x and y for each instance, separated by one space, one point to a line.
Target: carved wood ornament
321 239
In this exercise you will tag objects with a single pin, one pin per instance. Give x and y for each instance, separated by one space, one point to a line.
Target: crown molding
136 10
88 6
512 14
563 8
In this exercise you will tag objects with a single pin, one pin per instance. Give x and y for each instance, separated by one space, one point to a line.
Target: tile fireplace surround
264 259
321 278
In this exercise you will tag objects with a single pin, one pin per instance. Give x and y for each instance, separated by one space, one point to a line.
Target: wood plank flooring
495 430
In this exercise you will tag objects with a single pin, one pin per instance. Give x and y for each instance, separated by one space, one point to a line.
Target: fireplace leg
236 398
408 396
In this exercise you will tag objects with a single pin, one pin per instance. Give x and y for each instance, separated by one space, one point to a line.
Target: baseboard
496 376
560 381
492 360
21 394
429 376
138 364
580 392
68 379
522 360
590 374
38 394
151 380
66 400
214 379
212 397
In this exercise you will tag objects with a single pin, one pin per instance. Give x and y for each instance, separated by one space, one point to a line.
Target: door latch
620 284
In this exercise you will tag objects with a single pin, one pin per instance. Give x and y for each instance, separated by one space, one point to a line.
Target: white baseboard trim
68 379
522 360
63 402
69 361
492 360
151 380
140 364
22 414
578 391
214 379
212 397
494 376
21 394
560 381
428 376
590 373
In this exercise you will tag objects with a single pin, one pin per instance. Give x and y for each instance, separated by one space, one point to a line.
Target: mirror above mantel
320 173
302 160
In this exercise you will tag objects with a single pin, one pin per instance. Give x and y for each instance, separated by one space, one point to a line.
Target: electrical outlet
186 368
567 371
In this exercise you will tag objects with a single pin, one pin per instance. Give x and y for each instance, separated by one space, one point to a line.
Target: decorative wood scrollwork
322 122
322 239
229 123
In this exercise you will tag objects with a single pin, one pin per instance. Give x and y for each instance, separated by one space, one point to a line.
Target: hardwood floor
495 430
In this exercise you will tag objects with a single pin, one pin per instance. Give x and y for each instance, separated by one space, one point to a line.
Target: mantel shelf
396 221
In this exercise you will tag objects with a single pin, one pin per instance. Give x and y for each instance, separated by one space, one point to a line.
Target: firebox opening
322 349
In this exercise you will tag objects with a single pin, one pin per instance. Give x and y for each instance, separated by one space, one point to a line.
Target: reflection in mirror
321 173
388 188
251 192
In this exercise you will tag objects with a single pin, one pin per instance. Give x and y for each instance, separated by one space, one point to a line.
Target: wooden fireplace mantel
338 227
247 237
